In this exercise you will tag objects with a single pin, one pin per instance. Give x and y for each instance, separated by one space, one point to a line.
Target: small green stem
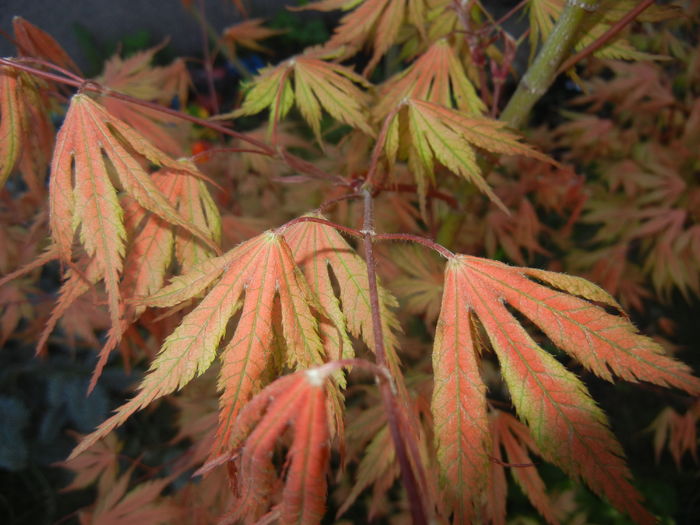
542 73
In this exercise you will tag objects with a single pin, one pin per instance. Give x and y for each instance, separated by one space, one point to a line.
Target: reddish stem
447 254
408 476
88 85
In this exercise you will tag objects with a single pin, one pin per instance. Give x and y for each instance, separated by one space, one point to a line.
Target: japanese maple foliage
258 265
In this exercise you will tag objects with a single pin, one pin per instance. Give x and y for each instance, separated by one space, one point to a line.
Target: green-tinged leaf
90 144
12 122
261 269
459 405
437 76
320 250
440 134
568 427
317 85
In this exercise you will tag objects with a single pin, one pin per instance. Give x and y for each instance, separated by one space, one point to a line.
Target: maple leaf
567 426
320 251
153 247
34 42
439 134
77 281
100 464
378 468
151 251
140 505
247 34
136 77
296 401
420 288
677 432
26 133
375 20
263 268
91 145
513 436
317 85
438 77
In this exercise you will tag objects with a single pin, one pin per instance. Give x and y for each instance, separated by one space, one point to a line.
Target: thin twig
88 85
447 254
360 234
515 9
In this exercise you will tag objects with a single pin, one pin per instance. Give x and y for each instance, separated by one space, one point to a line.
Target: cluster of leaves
268 305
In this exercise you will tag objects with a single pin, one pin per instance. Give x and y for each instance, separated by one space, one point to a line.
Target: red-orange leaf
26 133
320 250
34 42
261 268
437 76
296 401
567 426
515 439
247 33
142 504
377 21
91 144
459 405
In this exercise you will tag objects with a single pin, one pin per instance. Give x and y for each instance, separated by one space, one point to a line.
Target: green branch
543 71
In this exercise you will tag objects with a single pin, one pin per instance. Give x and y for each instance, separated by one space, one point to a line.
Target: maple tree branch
408 476
540 75
89 85
350 231
605 37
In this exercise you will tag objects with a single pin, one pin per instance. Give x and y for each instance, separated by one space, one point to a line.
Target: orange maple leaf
373 21
296 401
142 504
262 268
513 436
34 42
247 34
319 250
567 426
90 145
26 133
135 76
438 76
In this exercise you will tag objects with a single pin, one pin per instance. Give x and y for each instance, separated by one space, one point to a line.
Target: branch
295 162
361 234
606 37
543 71
408 476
